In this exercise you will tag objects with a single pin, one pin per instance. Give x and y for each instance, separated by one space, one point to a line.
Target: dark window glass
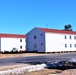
65 37
74 37
70 45
20 47
20 40
41 43
65 45
75 45
41 34
34 36
70 37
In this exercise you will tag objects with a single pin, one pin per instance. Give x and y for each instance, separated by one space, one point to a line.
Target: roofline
46 30
12 35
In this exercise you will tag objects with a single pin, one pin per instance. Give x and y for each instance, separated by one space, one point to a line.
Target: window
20 40
70 37
65 37
35 45
29 34
70 45
25 40
20 47
41 43
34 36
65 45
41 34
75 45
74 37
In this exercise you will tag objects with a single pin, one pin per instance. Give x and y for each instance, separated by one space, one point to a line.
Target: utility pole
46 25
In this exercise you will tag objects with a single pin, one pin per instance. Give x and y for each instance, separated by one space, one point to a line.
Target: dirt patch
42 72
25 55
68 72
20 55
53 72
12 66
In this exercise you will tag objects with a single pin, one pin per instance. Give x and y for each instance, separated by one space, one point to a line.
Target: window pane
41 43
74 37
75 45
70 45
41 34
65 45
20 47
70 37
34 36
65 36
20 40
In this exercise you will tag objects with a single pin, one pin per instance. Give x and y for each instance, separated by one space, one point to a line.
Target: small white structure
50 40
9 42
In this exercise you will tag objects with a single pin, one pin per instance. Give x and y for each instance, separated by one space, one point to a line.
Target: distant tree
68 27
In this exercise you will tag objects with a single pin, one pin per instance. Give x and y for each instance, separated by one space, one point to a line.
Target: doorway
35 47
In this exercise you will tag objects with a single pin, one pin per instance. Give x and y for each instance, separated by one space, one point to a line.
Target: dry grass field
19 55
53 72
44 72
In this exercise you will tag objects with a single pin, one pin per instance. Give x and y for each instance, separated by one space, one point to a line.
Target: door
34 47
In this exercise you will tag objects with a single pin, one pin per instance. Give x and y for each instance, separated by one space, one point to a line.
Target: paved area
36 59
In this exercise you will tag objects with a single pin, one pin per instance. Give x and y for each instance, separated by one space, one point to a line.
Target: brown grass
43 72
49 72
52 72
69 72
19 55
24 55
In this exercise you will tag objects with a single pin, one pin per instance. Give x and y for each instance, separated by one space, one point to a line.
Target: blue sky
20 16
